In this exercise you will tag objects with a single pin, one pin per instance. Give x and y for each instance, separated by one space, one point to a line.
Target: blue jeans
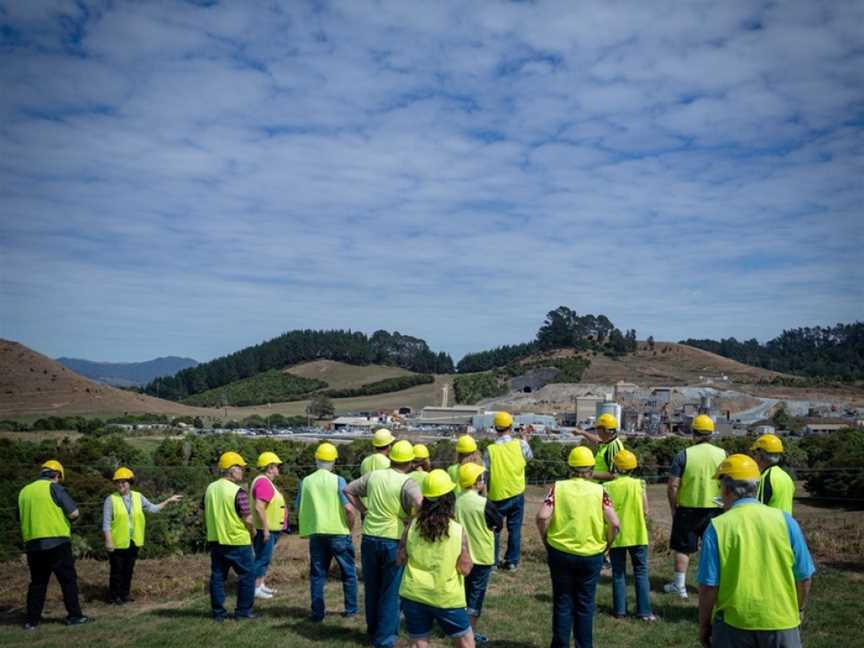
381 580
240 558
322 550
512 508
264 552
419 618
574 583
476 583
639 558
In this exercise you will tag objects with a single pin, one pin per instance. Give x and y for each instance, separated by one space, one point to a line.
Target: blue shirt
709 558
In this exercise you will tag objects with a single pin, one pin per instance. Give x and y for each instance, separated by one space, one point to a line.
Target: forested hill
834 352
352 347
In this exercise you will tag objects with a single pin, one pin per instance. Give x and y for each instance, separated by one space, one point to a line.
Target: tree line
352 347
831 352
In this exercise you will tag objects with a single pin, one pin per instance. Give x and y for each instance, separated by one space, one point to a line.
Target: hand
175 498
705 635
266 534
109 547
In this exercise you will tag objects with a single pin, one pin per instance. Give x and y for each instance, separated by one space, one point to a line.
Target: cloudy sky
191 177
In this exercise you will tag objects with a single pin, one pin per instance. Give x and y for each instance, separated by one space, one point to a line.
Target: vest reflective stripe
471 514
578 525
757 584
384 511
275 510
602 465
120 521
40 516
453 471
224 526
506 470
430 575
418 476
782 489
698 487
321 510
626 495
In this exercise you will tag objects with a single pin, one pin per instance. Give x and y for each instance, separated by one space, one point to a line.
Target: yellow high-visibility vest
698 487
120 521
578 525
384 512
430 575
40 516
224 526
275 509
506 470
626 494
471 514
321 510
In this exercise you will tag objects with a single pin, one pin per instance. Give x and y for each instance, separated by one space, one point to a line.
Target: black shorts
688 525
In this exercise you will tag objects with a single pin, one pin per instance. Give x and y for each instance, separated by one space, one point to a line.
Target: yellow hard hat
123 473
703 424
421 451
468 474
56 466
326 452
466 444
229 459
607 421
581 457
503 420
437 483
739 467
625 460
267 458
382 437
769 443
402 452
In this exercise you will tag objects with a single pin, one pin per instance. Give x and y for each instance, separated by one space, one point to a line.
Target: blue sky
192 177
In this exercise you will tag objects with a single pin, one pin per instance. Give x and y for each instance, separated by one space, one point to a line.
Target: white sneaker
261 594
268 590
672 588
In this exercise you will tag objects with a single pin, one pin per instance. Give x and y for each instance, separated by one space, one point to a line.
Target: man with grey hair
326 517
755 568
776 487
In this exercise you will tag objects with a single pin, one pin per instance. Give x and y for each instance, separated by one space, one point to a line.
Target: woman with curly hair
437 558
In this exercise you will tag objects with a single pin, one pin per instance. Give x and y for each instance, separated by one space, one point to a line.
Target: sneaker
480 639
79 620
508 566
348 615
260 593
648 619
672 588
30 626
264 588
252 616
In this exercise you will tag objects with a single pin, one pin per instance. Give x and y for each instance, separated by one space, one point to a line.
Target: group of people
431 538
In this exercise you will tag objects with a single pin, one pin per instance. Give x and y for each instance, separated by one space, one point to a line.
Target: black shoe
348 615
507 566
219 619
30 626
314 619
248 617
127 599
118 601
79 620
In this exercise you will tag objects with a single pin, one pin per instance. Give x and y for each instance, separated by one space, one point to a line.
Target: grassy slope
339 375
172 607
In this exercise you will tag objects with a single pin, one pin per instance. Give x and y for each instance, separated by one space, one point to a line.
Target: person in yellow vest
577 523
466 452
392 497
608 445
123 525
422 465
326 517
630 500
436 556
755 569
506 460
692 492
480 519
270 517
382 439
776 487
45 510
229 534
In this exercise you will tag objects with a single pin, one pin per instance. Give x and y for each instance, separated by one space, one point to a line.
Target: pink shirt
265 491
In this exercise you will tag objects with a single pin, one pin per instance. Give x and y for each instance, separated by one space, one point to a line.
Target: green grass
268 387
173 610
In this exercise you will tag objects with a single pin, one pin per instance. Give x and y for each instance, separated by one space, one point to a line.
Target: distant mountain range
128 374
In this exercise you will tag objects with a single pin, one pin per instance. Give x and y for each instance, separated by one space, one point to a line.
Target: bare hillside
32 384
339 375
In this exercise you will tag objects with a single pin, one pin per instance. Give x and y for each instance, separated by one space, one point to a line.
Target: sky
189 178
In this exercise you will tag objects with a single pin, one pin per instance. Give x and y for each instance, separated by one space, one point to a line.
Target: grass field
171 607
